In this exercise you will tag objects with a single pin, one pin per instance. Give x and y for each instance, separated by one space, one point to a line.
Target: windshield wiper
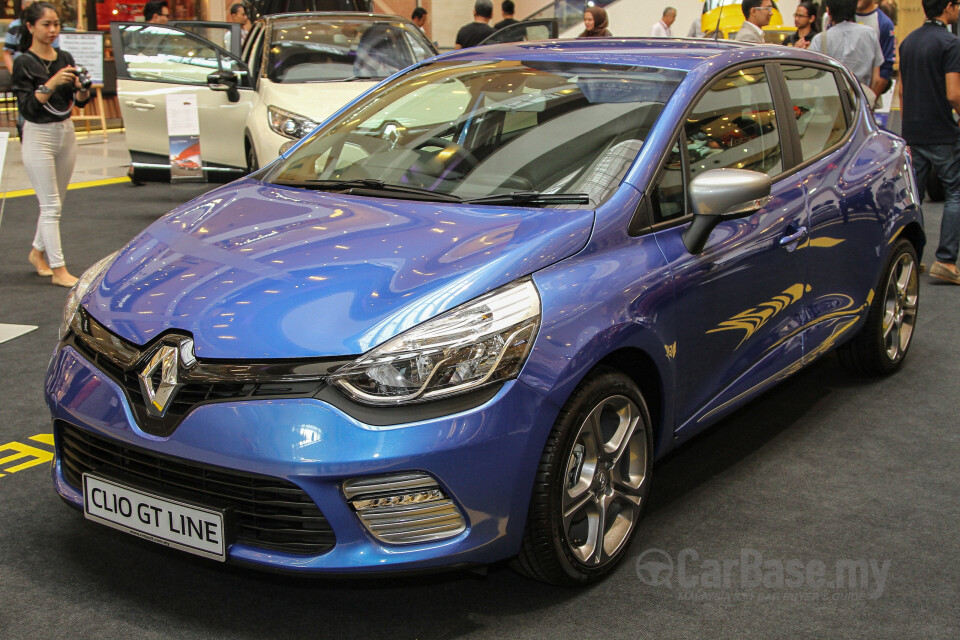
531 197
371 187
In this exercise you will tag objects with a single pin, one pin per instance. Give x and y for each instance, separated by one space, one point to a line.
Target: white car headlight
483 341
289 124
80 289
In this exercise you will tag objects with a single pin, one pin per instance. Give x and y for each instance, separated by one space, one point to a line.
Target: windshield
311 50
479 128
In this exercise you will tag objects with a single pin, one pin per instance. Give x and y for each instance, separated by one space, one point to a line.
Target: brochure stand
87 50
100 116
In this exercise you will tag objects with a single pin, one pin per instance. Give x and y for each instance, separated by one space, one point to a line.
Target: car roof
683 54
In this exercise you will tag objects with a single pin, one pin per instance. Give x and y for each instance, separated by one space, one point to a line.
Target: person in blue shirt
869 13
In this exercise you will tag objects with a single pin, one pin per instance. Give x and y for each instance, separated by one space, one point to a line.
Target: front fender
599 305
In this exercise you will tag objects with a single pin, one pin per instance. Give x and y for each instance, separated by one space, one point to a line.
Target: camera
84 77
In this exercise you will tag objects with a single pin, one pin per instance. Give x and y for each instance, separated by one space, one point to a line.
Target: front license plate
166 521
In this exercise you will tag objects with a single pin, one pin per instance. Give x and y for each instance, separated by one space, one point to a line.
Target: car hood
315 100
254 270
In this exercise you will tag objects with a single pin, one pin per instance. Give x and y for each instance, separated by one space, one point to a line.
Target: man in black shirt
508 9
929 93
472 34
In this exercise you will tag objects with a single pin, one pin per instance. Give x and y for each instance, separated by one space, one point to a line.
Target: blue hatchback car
460 321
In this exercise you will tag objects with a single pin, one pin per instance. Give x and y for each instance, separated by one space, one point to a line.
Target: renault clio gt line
459 321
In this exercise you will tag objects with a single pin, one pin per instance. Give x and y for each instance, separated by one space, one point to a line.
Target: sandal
39 263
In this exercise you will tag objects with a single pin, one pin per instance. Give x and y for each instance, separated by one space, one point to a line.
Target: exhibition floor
827 508
99 160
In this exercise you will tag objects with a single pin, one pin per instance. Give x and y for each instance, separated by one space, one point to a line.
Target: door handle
140 105
796 237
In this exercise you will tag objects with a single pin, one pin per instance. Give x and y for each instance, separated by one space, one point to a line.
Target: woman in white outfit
47 87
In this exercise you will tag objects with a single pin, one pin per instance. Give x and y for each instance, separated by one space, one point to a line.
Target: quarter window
817 107
734 126
669 196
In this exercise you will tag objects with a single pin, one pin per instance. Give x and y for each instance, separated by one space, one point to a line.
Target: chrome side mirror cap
723 194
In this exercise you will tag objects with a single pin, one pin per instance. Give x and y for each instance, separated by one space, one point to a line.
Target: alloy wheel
900 307
604 481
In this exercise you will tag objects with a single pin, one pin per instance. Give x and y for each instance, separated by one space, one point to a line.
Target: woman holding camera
47 85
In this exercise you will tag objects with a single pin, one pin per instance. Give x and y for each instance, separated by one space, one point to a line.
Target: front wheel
252 163
882 343
591 485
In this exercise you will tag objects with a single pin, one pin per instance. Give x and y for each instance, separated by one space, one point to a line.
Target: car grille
269 513
224 382
190 394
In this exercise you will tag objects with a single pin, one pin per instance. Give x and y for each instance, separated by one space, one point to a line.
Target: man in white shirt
757 14
855 45
661 28
869 13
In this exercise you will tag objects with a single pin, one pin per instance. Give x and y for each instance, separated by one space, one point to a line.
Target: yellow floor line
75 185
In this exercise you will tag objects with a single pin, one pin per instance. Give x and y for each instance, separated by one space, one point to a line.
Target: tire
602 480
252 162
882 343
134 177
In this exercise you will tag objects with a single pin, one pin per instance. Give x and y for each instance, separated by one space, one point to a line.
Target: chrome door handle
797 236
140 105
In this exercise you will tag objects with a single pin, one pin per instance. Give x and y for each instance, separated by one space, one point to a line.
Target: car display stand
81 115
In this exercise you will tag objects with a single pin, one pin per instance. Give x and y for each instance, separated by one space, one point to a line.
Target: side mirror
723 194
225 81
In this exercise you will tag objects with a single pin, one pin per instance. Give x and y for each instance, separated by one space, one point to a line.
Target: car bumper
484 459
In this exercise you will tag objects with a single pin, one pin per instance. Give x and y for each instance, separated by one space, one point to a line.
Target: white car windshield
476 129
316 50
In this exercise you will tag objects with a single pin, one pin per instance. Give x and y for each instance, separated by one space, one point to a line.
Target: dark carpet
828 508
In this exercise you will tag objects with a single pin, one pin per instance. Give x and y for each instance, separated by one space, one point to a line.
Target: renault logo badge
167 361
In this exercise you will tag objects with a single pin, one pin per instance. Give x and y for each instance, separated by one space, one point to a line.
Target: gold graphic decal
751 320
671 350
820 243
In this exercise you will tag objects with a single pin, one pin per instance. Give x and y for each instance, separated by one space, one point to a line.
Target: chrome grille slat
404 508
388 484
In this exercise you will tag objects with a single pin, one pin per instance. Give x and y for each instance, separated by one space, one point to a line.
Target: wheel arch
637 365
915 234
639 353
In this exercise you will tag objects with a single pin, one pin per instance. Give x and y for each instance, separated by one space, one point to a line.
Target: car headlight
80 289
483 341
289 124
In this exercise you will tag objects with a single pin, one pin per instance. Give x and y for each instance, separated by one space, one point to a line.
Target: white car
294 70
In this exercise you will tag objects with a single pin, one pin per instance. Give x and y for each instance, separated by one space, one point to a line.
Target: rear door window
734 126
817 107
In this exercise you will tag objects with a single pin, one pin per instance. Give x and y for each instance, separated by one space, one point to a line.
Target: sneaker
940 271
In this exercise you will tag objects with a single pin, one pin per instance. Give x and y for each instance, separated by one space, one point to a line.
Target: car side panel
608 298
739 304
856 199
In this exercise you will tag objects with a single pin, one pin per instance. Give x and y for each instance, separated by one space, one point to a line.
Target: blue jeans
944 159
